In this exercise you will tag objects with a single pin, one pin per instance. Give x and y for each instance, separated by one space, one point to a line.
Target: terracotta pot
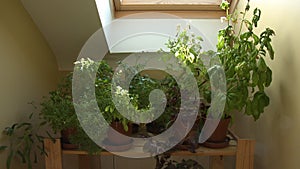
65 138
119 138
190 141
220 133
218 139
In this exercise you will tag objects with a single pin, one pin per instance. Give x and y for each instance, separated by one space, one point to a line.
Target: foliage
58 109
164 162
186 47
142 85
103 85
242 55
25 142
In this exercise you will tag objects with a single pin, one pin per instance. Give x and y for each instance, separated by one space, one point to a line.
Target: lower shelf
242 149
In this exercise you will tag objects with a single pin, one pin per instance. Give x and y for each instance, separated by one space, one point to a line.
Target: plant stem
242 23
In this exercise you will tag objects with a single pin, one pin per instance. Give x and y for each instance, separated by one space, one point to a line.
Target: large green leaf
9 158
261 64
269 77
3 148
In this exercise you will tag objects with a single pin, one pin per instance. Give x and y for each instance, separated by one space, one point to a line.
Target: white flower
223 19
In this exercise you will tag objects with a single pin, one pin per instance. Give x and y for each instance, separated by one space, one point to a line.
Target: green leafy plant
241 53
164 162
103 85
57 107
26 143
186 47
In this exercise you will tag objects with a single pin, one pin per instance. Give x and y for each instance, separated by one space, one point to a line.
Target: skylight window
191 2
188 8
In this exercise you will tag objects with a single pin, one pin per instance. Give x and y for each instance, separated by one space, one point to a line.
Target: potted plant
242 54
107 107
164 162
141 86
26 142
58 111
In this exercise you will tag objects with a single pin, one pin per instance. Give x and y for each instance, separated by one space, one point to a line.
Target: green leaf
256 39
30 116
22 156
270 50
107 108
43 123
3 148
245 36
247 7
260 101
261 65
9 158
124 123
111 109
23 124
269 77
50 136
255 78
256 16
248 108
262 80
248 25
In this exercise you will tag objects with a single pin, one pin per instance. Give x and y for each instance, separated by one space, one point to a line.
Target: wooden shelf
242 149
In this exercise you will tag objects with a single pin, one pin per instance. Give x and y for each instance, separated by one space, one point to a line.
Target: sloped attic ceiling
66 25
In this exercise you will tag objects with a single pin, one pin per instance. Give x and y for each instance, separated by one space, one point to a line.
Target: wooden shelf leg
84 162
54 158
216 162
245 154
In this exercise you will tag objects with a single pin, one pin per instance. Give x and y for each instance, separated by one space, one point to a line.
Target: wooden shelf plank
242 149
201 151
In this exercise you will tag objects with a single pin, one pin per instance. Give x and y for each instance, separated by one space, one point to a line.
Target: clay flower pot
218 138
65 138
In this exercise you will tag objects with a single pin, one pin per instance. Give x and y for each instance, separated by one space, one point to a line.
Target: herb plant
26 143
241 53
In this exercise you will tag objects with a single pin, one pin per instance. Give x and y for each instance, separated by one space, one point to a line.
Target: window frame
195 11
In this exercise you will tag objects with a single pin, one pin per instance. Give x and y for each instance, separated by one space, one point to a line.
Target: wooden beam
179 14
84 162
53 160
216 162
117 4
245 154
168 7
233 5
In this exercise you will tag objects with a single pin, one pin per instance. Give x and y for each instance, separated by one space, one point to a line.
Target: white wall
66 25
133 34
